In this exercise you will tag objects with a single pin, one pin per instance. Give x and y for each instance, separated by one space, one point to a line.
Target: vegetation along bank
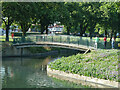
102 64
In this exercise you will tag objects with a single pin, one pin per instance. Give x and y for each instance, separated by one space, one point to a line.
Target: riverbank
101 64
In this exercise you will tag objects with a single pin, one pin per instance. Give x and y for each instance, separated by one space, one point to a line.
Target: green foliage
102 64
8 16
77 17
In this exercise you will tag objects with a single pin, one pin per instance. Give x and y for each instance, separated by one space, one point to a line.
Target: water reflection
29 73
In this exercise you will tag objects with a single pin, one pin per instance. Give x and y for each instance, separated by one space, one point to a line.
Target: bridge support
21 52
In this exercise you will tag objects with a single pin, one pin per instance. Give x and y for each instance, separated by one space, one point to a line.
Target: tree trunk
7 24
23 30
90 35
42 29
85 28
105 32
25 27
24 33
7 33
111 35
115 34
81 30
46 29
68 30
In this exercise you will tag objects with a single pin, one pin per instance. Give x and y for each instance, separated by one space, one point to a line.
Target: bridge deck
55 44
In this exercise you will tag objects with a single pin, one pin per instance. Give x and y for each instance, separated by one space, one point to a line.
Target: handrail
76 40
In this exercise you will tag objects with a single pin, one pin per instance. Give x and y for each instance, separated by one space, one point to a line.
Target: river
30 72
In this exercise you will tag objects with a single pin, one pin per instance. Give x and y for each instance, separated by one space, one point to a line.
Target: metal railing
76 40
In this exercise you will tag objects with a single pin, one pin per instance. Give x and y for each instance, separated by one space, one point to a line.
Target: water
31 73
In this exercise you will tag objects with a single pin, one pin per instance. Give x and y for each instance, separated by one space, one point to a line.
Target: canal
30 72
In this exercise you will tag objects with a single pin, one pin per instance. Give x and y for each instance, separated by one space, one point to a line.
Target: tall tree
110 17
7 16
25 15
48 14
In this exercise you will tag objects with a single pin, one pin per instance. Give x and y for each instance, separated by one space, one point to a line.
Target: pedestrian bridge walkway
50 44
71 42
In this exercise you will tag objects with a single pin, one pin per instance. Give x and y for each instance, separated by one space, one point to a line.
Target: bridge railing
66 40
24 40
76 40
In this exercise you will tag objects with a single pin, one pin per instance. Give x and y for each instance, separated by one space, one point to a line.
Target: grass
2 38
101 64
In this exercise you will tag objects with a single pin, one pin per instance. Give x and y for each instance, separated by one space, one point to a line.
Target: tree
25 14
110 17
7 16
48 14
79 18
66 18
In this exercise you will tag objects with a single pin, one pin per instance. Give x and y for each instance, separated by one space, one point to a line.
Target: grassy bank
102 64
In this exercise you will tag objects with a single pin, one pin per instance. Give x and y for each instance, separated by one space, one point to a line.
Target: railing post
52 38
22 52
44 38
18 40
68 39
47 38
36 38
60 39
78 41
23 39
87 43
91 43
40 38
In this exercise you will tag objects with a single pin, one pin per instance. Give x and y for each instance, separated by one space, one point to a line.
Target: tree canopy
77 17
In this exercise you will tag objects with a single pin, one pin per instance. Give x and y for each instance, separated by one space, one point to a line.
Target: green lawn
2 38
102 64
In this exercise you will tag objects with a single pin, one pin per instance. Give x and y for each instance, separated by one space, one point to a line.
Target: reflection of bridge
71 42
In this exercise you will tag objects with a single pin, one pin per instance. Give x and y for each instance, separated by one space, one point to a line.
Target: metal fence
76 40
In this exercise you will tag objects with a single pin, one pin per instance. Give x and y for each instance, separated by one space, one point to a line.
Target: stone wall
84 80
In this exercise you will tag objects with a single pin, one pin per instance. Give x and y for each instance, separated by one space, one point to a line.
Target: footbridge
62 41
